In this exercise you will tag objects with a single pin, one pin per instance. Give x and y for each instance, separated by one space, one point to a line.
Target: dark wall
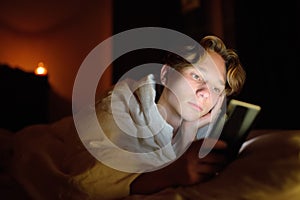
268 43
132 14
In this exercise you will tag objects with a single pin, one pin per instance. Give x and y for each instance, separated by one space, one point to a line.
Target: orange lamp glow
41 69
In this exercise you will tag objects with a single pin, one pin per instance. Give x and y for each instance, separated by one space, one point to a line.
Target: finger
204 120
212 143
220 101
220 144
208 168
217 108
214 158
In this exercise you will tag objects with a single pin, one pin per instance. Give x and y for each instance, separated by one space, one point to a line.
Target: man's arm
187 170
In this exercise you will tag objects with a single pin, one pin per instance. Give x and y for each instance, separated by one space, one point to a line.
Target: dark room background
62 33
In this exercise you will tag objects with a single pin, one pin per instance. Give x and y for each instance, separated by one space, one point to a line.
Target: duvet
268 167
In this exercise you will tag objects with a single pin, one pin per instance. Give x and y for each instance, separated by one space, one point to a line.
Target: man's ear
164 73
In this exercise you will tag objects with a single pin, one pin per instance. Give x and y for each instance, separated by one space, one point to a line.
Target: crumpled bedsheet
268 168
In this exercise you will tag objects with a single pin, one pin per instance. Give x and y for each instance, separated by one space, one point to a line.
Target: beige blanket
268 168
39 163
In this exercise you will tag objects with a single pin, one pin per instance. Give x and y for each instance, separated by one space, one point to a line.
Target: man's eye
196 77
217 90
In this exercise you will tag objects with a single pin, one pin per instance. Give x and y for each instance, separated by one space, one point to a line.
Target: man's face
194 91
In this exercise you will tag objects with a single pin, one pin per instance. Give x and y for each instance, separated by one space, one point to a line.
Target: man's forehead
206 67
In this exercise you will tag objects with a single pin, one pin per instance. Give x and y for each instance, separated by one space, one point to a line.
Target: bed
268 167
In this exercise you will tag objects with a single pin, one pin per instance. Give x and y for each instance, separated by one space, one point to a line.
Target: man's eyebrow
203 72
200 69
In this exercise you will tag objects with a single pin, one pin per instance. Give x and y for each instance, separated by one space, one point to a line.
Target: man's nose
203 92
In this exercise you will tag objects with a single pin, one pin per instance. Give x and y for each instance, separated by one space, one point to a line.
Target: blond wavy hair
235 73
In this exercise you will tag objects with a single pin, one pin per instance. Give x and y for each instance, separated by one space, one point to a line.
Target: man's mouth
196 107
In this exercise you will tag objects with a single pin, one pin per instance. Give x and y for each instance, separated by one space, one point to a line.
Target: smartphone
240 119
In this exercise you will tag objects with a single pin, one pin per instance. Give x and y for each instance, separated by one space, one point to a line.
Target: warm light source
41 69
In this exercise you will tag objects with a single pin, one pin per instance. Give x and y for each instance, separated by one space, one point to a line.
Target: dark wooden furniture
24 98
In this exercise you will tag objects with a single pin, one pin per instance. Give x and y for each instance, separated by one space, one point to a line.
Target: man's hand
188 169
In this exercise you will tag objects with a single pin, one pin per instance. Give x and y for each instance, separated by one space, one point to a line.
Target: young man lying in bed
136 145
